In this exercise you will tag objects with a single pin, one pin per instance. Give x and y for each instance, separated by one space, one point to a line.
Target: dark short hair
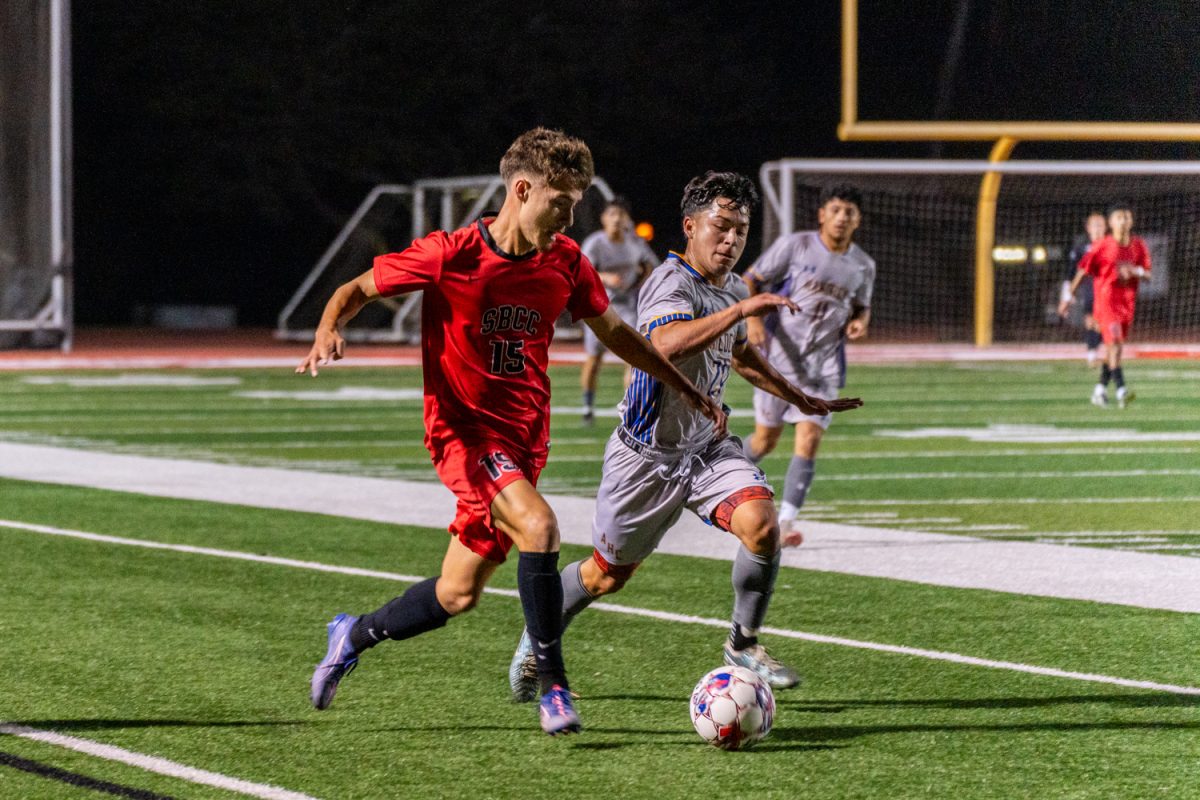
846 192
621 202
702 190
549 155
1118 205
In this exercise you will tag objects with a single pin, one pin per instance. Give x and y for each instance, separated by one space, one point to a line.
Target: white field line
149 763
937 476
668 616
1115 533
1019 501
1078 573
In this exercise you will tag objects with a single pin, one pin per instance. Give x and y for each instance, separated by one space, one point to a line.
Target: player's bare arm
348 300
856 328
756 370
1065 305
635 350
683 338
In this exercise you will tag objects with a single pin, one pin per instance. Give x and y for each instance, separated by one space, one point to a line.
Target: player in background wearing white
830 279
1095 226
623 260
663 458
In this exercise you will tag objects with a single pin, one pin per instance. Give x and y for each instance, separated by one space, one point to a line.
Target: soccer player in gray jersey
830 279
623 260
664 458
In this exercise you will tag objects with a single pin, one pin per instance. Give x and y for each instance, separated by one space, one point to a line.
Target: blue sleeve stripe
665 318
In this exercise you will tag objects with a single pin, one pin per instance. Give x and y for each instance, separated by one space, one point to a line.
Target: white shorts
773 411
592 346
642 494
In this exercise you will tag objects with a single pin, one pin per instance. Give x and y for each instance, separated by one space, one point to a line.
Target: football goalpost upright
921 226
35 169
1005 135
388 219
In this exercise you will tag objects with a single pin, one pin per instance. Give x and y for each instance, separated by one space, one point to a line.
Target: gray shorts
628 314
642 494
773 411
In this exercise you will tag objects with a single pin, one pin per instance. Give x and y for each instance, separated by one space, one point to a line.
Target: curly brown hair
550 155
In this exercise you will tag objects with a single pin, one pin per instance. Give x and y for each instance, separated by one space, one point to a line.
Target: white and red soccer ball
732 708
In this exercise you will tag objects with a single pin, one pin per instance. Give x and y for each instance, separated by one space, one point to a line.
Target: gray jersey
653 414
827 286
624 258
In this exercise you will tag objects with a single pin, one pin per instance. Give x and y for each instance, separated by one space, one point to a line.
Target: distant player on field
623 260
831 280
492 292
1117 263
664 457
1095 226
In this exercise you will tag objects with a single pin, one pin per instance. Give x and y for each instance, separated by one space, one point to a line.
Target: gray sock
749 452
753 583
575 595
799 478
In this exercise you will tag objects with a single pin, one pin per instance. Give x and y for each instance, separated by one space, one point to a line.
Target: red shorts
476 472
1114 331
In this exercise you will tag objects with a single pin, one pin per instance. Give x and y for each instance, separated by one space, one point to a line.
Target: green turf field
205 660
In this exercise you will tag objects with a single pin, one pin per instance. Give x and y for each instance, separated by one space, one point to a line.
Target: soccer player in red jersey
1117 263
492 292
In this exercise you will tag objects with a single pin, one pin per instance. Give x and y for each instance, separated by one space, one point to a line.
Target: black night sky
219 145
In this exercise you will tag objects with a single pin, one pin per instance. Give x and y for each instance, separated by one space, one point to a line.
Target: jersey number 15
508 356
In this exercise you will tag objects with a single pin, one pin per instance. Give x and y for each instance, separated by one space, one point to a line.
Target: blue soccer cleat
557 713
339 661
522 672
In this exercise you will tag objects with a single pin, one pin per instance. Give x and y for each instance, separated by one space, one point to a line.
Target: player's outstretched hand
817 407
761 304
328 346
1065 306
856 329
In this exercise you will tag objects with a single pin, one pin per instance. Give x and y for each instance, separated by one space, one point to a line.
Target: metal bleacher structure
388 219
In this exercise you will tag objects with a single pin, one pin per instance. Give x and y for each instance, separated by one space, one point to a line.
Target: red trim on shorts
723 513
619 571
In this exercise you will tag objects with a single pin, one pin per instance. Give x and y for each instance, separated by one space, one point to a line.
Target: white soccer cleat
1099 398
1124 398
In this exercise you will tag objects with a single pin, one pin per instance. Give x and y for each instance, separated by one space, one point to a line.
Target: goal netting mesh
920 227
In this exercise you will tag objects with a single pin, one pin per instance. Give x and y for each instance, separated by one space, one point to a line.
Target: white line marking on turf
926 476
620 609
154 764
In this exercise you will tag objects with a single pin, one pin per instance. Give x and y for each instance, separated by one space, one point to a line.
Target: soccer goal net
919 224
35 202
387 220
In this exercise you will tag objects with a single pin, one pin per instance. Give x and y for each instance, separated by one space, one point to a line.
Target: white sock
787 511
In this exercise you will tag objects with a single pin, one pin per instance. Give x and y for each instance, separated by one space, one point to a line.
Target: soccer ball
732 708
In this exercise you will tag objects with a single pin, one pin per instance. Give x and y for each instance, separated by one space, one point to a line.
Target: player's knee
538 531
757 527
763 442
608 578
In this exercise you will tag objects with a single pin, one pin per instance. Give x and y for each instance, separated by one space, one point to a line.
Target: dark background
220 145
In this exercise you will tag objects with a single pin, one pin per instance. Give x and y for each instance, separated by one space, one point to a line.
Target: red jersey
486 326
1115 298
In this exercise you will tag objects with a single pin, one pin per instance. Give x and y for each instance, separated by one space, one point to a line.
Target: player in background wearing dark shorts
1117 263
623 260
1095 227
663 458
492 292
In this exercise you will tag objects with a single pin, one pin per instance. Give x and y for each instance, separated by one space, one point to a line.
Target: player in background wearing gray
1095 226
623 260
830 279
663 457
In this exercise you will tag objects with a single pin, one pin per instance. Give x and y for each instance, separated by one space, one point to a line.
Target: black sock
739 640
1119 376
412 613
542 600
1092 339
1105 375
